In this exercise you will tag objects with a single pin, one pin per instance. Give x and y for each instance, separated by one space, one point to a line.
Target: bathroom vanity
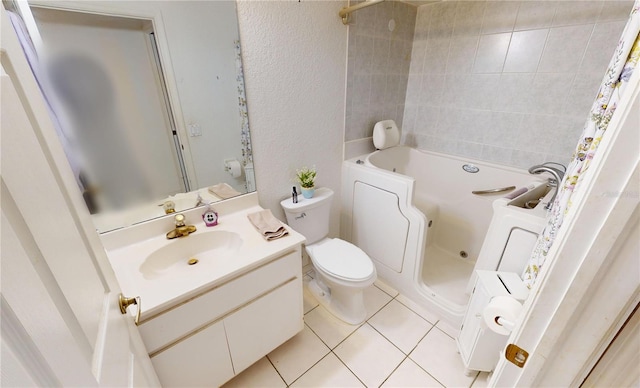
204 323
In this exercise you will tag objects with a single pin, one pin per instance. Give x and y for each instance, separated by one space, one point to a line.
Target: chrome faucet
181 229
557 175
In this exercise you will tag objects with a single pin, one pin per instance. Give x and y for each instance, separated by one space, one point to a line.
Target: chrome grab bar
493 191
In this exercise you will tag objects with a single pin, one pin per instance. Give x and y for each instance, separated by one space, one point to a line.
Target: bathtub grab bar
493 191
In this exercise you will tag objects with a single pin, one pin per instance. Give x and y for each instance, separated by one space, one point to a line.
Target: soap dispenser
210 216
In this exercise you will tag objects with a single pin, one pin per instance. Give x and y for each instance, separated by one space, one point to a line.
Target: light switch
195 130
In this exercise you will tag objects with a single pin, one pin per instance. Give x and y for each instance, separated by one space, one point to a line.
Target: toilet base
345 304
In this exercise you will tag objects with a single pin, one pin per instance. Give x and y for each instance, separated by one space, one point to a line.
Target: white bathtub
414 214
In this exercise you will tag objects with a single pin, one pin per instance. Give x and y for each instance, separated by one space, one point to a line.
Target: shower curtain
622 65
32 58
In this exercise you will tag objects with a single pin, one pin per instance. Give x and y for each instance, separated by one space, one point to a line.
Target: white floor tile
482 380
260 374
297 355
401 326
374 300
386 288
330 329
329 372
369 355
438 355
308 300
418 309
449 329
409 374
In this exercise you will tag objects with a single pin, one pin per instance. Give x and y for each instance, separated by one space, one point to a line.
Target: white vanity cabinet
478 345
210 338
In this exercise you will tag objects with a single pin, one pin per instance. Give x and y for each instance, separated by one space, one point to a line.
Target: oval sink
187 254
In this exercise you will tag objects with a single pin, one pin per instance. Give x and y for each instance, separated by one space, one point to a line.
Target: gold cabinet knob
125 302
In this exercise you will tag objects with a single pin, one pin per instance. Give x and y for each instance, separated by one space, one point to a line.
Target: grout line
347 366
305 372
391 342
276 369
394 370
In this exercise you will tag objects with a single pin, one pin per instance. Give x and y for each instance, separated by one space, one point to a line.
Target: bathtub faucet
557 175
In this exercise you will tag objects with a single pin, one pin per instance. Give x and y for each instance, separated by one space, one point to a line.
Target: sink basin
190 255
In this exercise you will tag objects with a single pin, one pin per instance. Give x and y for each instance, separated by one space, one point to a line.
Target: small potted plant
306 177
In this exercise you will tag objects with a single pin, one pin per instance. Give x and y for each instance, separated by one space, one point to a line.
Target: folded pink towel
267 225
223 191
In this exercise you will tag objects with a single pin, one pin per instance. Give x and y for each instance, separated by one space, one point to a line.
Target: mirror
149 101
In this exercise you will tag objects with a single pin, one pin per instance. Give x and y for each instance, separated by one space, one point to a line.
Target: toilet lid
343 260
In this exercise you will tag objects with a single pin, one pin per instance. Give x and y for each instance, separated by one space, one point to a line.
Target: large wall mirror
148 101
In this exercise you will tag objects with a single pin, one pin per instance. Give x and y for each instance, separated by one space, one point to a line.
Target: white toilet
343 270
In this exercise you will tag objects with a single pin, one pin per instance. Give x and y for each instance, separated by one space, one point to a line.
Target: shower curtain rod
346 11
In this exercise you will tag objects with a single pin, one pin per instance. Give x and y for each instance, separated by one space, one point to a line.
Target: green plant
306 177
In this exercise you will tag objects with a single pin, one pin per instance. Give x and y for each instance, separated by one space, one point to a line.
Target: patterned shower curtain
622 65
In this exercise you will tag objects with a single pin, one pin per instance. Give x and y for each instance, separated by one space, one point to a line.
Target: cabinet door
472 323
200 360
265 324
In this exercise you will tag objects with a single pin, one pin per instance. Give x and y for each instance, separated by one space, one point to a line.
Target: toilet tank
310 217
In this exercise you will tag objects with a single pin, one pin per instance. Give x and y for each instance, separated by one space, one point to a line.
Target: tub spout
557 175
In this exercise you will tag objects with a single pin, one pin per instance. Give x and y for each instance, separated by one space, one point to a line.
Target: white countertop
169 290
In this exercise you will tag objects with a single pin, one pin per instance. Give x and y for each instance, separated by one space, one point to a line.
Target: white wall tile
535 15
615 10
492 50
417 56
432 89
565 48
600 50
462 52
427 120
525 159
549 92
499 16
481 90
442 19
504 130
471 83
468 20
525 51
435 59
582 94
380 59
576 12
496 154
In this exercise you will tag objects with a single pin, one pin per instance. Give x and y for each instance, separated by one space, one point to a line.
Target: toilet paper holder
233 167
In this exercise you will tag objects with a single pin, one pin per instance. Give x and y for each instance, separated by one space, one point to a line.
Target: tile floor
399 345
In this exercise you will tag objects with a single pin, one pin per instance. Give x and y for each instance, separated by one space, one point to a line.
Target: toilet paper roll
234 168
501 314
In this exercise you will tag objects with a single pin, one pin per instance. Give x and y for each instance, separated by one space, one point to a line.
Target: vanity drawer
211 305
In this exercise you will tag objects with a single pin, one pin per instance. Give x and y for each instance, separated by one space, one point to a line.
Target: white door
61 324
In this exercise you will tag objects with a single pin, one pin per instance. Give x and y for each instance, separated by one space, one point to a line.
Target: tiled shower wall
378 69
507 82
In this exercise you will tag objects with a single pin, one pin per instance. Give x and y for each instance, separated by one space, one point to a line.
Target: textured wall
508 82
378 70
294 56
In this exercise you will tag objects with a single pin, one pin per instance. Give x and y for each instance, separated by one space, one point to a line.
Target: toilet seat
342 260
